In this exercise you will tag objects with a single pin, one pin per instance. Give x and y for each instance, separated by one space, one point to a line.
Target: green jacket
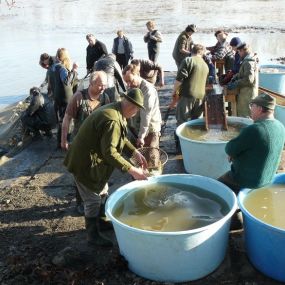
183 41
193 73
97 148
256 153
247 84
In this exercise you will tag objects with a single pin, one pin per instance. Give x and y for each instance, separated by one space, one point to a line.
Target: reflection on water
33 27
267 204
170 207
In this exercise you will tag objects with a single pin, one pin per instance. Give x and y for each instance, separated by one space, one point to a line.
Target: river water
29 28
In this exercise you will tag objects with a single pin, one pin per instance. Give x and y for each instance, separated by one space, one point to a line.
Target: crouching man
39 116
96 151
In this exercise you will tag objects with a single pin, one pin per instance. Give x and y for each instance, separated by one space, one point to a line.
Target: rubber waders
94 236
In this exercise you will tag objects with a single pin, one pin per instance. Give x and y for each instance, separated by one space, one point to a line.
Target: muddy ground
42 238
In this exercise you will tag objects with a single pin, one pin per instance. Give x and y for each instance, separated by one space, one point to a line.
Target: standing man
153 38
245 81
222 49
226 78
147 125
184 44
81 105
94 51
190 85
149 70
256 152
46 62
123 49
115 83
96 151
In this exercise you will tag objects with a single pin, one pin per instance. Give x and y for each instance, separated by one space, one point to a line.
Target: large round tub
174 256
279 113
274 81
207 158
264 243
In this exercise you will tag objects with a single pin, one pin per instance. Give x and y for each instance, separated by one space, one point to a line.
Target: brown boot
94 237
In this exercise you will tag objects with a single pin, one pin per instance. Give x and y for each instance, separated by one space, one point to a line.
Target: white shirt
150 118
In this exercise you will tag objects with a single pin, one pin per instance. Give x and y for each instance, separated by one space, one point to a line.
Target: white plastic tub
205 158
174 256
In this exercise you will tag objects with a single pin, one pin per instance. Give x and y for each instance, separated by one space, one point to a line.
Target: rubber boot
94 237
104 223
79 203
58 136
177 143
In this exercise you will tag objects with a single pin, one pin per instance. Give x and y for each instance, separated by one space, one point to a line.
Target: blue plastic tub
264 243
273 81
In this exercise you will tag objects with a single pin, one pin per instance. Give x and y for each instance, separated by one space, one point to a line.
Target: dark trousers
229 181
59 111
34 123
152 54
121 59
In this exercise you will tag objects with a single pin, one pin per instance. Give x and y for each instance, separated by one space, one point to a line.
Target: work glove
232 85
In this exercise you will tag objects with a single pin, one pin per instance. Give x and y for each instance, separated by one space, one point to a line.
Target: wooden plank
280 99
215 115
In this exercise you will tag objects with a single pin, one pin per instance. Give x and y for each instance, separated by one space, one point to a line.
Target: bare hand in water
138 173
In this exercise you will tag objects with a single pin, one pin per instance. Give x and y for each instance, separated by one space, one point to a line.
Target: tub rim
240 199
271 66
197 121
219 223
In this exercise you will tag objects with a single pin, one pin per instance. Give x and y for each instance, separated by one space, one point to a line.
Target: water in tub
198 132
267 204
170 207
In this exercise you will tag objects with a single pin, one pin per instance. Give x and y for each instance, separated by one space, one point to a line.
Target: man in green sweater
96 151
256 152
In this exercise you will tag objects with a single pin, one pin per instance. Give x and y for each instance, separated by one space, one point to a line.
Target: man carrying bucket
255 153
96 151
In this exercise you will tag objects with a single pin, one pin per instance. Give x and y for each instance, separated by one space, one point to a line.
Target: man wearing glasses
255 153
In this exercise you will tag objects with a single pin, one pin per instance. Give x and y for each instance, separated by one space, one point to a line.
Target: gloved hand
232 85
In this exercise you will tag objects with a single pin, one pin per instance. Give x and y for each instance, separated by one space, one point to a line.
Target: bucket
207 158
274 81
174 256
264 243
155 158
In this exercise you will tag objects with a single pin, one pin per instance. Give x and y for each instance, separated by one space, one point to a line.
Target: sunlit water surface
33 27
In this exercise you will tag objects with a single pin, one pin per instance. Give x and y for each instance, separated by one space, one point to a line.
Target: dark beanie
235 42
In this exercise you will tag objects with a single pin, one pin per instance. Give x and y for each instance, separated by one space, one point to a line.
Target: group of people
240 65
119 112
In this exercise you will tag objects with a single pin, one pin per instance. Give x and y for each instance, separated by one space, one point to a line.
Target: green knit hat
135 96
264 100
